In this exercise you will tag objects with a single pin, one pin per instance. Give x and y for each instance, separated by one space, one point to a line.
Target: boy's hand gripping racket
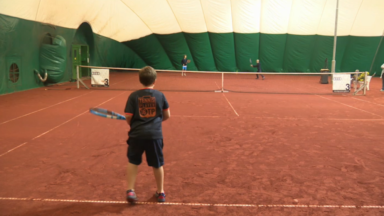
106 113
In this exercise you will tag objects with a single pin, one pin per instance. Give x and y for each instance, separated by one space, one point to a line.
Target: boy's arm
166 111
129 110
166 114
128 119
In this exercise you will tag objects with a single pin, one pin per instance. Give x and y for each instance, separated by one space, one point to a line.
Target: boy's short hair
147 75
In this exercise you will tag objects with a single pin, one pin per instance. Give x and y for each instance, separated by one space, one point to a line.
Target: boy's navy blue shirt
146 107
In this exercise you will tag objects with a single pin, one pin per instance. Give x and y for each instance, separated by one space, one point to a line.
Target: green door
85 72
76 60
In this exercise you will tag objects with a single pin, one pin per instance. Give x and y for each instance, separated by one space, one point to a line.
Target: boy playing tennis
258 66
382 77
145 111
184 62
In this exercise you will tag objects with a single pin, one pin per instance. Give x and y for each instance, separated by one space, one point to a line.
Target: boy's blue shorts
153 149
184 67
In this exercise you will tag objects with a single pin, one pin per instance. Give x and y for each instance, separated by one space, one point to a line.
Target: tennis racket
106 113
189 61
250 61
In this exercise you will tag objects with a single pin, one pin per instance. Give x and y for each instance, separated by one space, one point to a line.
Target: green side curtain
113 54
223 48
342 42
379 60
272 48
298 53
151 51
200 46
176 47
323 49
247 47
359 53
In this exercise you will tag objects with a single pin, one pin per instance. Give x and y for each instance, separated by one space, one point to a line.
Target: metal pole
335 40
78 76
365 83
356 82
222 82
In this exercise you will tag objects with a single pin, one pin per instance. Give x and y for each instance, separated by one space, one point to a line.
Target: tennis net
347 83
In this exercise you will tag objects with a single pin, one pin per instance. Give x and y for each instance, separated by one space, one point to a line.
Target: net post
365 83
222 85
77 76
222 82
355 82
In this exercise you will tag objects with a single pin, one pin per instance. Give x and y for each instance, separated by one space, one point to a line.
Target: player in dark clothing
258 66
184 62
382 77
145 111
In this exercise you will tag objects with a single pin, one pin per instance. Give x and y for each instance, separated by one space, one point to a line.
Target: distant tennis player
258 66
145 111
184 62
382 77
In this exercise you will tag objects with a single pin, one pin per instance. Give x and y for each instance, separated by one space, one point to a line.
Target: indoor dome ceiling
287 35
124 20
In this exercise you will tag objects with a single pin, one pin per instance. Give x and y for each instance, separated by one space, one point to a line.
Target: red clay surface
318 149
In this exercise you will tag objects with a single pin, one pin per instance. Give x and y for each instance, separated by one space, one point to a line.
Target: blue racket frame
106 113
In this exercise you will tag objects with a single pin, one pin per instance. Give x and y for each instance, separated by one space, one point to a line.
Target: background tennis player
184 62
382 77
258 66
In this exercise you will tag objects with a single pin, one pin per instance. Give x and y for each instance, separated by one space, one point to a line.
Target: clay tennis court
225 153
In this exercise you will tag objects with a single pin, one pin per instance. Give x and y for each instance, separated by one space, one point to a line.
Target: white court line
351 106
281 118
228 101
230 104
195 204
347 104
369 102
13 149
42 134
321 119
43 109
186 116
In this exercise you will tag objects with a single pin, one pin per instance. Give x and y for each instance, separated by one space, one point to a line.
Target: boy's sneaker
160 197
131 196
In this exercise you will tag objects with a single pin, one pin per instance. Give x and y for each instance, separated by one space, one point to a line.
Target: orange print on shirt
147 106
